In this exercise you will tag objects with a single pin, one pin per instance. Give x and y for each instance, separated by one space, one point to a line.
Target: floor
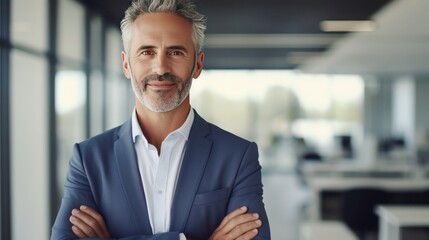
285 199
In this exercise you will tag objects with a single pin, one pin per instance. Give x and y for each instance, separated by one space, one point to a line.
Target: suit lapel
126 160
192 169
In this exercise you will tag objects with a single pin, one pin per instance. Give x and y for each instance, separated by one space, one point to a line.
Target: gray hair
182 8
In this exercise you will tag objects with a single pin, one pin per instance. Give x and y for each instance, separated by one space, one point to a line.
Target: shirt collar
184 130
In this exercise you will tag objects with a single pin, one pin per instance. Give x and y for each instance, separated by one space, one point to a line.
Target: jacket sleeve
247 190
77 191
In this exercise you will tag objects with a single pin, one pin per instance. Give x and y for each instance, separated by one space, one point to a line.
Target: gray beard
162 103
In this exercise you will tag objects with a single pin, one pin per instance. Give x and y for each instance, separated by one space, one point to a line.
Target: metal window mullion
104 71
87 69
52 123
5 178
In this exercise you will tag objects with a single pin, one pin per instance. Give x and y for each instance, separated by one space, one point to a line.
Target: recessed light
347 26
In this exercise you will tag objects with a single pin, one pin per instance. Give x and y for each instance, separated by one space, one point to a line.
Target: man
166 173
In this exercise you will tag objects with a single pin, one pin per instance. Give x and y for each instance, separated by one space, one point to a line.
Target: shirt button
160 191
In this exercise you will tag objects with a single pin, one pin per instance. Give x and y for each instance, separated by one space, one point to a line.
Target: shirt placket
160 187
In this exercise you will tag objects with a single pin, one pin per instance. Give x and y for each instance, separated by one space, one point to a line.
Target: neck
157 125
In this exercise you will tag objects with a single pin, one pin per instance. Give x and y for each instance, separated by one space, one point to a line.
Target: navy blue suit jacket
220 173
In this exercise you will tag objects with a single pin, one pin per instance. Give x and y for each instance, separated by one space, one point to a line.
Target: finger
85 228
232 215
88 223
244 229
79 233
239 220
98 217
249 235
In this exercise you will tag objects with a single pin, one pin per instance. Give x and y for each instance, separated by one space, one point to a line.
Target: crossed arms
239 224
88 212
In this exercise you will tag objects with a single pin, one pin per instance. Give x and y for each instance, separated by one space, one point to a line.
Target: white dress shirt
159 172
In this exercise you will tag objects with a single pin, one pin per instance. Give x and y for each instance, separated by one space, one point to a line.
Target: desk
319 184
349 168
326 230
392 218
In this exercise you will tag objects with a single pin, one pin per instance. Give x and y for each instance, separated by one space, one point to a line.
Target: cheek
139 73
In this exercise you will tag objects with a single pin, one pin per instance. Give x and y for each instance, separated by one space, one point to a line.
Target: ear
199 67
125 65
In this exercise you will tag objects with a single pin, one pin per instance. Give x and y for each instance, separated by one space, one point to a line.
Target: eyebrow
177 47
142 47
173 47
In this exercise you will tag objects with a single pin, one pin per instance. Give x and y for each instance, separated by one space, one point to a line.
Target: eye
146 52
176 53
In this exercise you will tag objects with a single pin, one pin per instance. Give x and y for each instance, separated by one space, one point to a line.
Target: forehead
161 28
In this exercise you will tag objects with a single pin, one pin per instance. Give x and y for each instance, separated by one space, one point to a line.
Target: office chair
358 210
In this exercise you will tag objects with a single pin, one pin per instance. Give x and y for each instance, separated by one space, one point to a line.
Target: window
70 108
29 146
71 33
117 87
29 23
273 107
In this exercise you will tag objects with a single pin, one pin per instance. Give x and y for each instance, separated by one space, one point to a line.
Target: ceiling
274 34
286 34
399 46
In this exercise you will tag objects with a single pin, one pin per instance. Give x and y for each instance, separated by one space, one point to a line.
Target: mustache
164 77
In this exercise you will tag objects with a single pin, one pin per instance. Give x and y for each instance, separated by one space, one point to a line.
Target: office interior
334 92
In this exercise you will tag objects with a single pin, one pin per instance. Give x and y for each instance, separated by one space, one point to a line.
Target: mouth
161 85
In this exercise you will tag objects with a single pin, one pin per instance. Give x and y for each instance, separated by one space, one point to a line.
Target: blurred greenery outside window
269 107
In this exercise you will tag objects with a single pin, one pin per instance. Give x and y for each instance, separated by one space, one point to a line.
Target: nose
161 64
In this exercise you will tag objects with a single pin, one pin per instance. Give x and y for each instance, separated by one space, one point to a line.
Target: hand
88 223
238 225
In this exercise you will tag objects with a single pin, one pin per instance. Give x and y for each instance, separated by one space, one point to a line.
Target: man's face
161 61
